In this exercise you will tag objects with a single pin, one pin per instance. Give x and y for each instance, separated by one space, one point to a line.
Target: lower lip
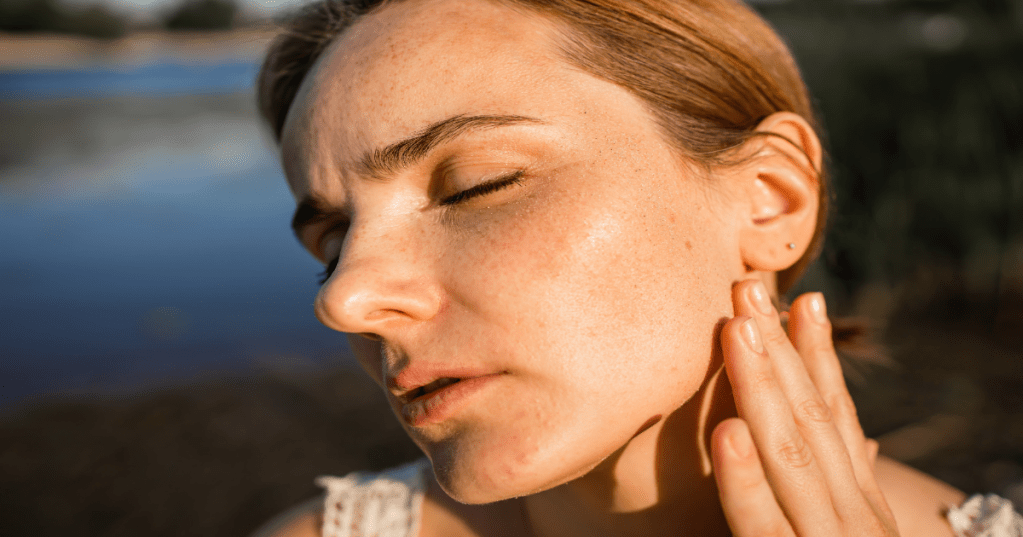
440 405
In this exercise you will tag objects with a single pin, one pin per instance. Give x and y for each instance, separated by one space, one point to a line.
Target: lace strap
986 516
366 504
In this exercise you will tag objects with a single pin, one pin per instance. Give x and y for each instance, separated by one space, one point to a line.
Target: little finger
746 497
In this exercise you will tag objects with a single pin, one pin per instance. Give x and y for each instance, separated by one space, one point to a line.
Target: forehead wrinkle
350 83
309 134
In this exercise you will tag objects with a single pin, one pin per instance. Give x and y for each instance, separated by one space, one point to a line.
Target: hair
709 70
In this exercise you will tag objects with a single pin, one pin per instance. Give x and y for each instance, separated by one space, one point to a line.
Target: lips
417 380
428 388
432 396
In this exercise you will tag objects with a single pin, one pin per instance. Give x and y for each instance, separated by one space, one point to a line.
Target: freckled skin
596 283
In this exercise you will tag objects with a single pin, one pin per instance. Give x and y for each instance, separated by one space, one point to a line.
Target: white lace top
366 504
388 504
986 516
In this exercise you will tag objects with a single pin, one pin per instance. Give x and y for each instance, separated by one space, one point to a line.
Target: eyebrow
389 160
380 163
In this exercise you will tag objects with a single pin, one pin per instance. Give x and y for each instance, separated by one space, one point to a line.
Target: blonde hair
709 70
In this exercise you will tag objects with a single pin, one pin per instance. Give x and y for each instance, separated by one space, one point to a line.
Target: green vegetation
202 15
55 16
923 103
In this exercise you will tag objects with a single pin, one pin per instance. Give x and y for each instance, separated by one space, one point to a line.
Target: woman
549 227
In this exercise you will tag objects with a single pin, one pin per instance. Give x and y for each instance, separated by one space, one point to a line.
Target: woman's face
508 221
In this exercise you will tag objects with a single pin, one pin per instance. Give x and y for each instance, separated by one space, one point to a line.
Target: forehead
414 63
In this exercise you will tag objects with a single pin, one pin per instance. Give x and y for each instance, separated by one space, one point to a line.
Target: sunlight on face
510 223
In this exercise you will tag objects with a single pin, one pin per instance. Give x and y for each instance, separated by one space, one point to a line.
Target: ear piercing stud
791 245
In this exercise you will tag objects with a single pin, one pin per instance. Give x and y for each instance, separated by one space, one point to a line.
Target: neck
659 483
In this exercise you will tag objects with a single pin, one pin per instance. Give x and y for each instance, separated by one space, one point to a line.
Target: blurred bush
95 20
923 103
202 15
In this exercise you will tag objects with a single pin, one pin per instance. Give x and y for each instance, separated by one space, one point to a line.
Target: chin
474 470
481 468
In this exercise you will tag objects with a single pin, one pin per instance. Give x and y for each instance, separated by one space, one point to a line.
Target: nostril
381 314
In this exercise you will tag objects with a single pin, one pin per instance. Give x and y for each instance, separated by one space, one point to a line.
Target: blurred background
160 368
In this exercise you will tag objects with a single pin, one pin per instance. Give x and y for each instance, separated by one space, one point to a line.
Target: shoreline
54 51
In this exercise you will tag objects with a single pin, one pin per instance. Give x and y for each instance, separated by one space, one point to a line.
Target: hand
795 461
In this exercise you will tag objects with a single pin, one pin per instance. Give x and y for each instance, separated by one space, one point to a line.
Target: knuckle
761 381
775 338
750 482
842 405
862 523
794 454
811 412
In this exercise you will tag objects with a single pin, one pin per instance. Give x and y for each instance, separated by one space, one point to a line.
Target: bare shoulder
302 520
917 500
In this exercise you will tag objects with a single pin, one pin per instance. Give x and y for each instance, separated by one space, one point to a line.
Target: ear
780 190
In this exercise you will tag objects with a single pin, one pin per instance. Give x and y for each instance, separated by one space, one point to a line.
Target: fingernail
817 309
758 295
741 443
751 334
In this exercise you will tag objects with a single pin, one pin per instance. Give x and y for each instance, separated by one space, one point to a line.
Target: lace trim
985 516
366 504
389 504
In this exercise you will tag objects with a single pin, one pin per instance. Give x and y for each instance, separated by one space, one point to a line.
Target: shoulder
918 501
302 520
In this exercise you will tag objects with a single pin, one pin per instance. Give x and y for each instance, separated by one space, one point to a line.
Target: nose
382 283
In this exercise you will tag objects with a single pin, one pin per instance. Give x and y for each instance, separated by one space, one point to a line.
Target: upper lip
415 381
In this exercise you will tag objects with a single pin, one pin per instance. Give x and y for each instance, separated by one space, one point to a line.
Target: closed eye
483 189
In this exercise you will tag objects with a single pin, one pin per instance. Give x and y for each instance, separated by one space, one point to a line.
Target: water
144 234
152 79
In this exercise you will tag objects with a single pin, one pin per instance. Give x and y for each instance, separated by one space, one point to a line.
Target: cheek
603 303
617 272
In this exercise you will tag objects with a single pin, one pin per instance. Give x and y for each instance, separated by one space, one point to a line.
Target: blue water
161 78
144 236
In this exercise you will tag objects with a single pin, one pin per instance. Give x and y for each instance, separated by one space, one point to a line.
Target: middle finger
805 423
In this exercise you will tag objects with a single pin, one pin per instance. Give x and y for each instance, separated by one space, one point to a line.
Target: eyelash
481 189
485 188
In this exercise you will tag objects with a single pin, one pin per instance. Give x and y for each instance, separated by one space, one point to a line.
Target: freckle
689 245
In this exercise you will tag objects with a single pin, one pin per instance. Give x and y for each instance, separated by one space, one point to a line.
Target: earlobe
781 185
